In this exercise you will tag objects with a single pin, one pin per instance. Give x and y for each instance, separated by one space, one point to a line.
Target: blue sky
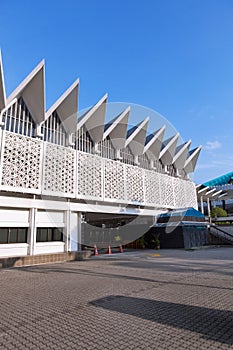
174 57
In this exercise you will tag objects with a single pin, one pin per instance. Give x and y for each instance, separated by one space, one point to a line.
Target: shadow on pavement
211 323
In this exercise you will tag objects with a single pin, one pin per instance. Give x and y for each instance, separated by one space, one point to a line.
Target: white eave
181 155
191 161
67 108
168 151
203 191
32 90
210 192
154 143
94 120
216 195
116 129
136 137
2 86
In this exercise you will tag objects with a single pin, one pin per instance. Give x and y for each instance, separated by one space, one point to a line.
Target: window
13 235
49 234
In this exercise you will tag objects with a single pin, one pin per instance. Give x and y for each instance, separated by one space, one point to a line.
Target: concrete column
32 231
202 205
67 229
208 208
79 226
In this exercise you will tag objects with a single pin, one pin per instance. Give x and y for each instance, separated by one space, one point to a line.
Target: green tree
219 212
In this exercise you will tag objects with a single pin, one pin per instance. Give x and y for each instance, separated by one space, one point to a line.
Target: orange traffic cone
95 250
109 250
120 249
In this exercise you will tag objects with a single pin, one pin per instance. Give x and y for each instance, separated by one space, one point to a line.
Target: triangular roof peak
181 155
67 108
136 137
116 129
168 150
2 86
32 90
94 119
191 161
153 143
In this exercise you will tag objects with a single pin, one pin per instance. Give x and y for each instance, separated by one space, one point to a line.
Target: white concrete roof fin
197 186
116 129
203 190
168 150
67 108
181 155
94 120
32 90
153 143
216 194
2 86
136 137
191 161
210 192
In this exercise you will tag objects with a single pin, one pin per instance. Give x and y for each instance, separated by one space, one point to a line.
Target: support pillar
67 230
208 208
32 231
79 226
202 205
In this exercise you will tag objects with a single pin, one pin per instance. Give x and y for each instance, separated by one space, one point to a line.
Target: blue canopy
183 212
221 180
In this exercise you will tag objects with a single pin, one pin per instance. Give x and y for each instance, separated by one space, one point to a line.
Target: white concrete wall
14 217
13 249
49 247
50 218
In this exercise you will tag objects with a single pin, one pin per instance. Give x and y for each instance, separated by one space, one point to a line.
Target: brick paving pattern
139 300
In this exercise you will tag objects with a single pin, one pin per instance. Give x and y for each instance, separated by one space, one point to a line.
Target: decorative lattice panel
152 187
134 184
190 194
90 176
114 180
179 193
59 170
166 190
21 163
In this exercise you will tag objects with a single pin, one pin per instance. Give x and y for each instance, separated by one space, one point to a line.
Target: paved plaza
168 299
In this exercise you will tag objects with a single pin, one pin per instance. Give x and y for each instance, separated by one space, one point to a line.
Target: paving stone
179 300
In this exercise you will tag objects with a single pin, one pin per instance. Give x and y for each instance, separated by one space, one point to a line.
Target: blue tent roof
221 180
183 212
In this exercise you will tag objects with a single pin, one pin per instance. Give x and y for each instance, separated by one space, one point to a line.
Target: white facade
55 166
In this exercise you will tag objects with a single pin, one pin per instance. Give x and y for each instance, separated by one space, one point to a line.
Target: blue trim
221 180
183 212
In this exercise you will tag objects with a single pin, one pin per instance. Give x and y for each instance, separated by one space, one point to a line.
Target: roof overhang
32 90
154 143
181 155
117 129
168 151
136 139
67 108
2 86
191 161
94 119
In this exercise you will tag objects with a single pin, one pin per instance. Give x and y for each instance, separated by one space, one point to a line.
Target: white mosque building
56 166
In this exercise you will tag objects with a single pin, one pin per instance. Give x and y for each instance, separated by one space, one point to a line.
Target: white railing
30 165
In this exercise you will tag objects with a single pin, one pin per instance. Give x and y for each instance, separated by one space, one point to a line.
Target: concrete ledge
43 259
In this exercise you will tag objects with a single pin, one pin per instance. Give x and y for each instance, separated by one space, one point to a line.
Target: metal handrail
224 232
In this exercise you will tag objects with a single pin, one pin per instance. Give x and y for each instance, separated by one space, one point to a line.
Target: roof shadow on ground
212 324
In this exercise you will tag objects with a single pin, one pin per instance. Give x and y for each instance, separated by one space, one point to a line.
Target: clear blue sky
175 57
